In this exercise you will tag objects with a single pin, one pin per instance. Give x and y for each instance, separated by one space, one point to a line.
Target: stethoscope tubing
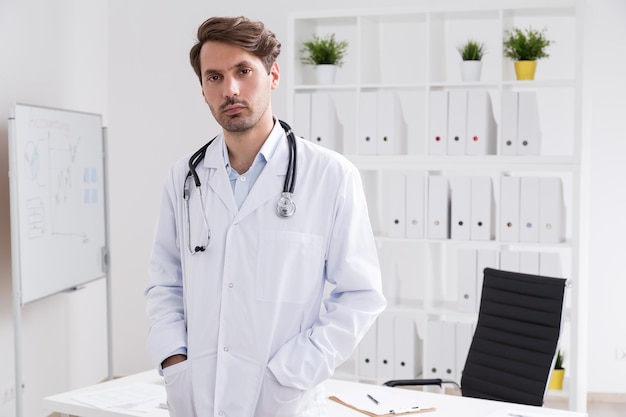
284 208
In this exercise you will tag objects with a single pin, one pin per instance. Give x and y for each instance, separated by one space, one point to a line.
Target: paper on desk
138 397
395 401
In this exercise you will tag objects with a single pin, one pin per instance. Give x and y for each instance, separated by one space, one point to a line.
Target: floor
594 408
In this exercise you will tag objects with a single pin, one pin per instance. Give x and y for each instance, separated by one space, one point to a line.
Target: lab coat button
226 349
231 285
242 178
221 413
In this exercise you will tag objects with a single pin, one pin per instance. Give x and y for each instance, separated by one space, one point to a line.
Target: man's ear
275 74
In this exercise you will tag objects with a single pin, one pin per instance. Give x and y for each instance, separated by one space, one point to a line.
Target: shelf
411 54
463 162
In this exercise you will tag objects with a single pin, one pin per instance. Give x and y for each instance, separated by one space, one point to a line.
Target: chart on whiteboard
59 161
63 183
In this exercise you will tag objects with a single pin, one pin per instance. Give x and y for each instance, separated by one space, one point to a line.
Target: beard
240 122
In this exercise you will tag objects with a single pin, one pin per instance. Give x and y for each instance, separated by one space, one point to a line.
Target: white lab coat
248 308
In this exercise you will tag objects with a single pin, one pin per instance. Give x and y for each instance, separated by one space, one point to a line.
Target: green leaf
472 50
526 45
324 50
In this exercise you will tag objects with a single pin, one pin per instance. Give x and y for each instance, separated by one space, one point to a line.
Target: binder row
461 122
390 349
446 347
315 119
417 206
521 133
532 209
382 129
472 262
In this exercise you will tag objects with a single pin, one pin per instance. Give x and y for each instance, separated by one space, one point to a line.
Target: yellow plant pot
556 379
525 70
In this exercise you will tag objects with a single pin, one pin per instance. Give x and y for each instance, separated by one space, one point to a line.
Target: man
236 289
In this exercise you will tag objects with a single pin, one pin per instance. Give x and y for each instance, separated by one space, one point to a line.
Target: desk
446 405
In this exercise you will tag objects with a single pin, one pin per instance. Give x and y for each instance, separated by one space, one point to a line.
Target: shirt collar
267 149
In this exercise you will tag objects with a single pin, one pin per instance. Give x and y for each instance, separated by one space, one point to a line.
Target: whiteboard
58 219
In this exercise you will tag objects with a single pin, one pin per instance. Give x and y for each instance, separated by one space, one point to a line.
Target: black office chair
515 341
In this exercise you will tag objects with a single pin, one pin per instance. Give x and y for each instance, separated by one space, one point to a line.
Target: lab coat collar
269 185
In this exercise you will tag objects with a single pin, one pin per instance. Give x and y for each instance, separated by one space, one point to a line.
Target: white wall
129 62
52 53
607 272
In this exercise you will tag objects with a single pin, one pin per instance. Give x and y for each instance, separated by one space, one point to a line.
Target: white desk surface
446 405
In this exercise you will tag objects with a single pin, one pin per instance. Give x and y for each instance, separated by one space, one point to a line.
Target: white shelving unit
413 53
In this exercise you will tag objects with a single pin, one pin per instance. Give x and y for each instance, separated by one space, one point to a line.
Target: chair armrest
406 382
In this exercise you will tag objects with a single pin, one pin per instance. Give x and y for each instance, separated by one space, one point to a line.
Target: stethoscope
284 208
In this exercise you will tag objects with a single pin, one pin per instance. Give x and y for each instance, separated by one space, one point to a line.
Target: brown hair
250 36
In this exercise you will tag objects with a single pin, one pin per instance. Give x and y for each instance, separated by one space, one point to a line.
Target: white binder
460 207
407 349
550 264
325 127
415 205
384 351
394 203
391 137
481 125
302 115
367 353
448 350
435 358
508 129
368 122
529 262
457 122
438 123
466 280
485 258
482 218
528 130
529 209
438 213
509 261
509 209
551 211
464 335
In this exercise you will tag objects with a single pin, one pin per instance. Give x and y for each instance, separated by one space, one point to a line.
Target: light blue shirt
243 183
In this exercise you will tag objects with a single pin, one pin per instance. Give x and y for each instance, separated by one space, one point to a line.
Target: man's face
236 85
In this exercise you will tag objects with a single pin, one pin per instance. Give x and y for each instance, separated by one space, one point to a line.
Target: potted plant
326 54
525 47
471 54
556 379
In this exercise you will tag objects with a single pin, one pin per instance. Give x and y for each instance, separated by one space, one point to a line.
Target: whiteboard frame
18 302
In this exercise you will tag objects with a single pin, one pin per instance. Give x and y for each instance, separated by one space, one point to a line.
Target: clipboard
388 403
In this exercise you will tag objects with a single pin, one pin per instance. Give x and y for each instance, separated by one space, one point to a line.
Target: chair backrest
516 337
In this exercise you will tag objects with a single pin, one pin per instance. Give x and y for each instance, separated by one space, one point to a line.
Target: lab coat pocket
178 387
289 267
276 400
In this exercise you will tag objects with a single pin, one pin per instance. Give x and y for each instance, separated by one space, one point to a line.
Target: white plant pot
470 70
325 73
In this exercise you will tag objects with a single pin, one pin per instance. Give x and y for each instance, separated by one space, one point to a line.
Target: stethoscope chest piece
285 207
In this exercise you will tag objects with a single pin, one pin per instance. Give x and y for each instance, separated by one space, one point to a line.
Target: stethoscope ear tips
199 248
285 207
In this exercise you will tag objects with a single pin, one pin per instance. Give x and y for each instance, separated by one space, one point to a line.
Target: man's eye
212 78
246 71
